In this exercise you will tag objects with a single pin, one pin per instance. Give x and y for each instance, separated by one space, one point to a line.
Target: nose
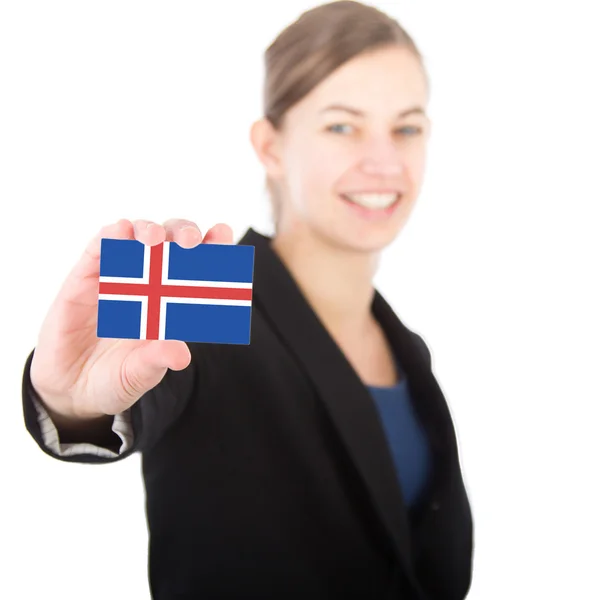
382 157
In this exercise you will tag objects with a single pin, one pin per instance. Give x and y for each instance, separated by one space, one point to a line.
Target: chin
371 244
359 240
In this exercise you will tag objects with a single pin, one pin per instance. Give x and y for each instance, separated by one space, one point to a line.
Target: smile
373 205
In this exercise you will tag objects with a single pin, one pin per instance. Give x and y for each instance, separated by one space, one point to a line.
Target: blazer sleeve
138 428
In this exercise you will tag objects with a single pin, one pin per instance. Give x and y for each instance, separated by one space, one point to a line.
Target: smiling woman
320 459
346 65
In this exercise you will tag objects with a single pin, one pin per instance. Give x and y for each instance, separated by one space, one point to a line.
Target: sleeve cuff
122 427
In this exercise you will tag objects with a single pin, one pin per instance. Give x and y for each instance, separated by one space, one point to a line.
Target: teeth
373 200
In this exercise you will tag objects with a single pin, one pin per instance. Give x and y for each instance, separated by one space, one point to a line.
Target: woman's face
351 155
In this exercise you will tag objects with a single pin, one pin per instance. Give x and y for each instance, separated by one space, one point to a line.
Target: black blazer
268 475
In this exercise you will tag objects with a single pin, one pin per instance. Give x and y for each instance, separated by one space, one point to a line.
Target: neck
336 281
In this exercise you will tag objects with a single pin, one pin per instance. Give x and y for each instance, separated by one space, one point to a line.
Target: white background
142 110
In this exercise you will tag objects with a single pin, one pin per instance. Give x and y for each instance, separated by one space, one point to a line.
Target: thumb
147 365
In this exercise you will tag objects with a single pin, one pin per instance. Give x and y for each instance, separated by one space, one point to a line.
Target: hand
82 377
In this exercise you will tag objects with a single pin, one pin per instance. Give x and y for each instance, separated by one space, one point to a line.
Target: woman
320 461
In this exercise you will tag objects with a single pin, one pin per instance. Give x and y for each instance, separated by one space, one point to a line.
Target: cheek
315 175
324 168
419 162
414 166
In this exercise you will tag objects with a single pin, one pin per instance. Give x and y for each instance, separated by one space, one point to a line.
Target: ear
265 141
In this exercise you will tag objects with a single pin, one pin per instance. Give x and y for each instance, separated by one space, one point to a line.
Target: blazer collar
341 390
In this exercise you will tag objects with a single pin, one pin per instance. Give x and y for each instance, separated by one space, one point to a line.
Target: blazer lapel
342 392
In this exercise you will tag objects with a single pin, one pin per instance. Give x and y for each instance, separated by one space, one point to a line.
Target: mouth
373 205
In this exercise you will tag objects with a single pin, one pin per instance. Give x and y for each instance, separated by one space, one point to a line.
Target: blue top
405 436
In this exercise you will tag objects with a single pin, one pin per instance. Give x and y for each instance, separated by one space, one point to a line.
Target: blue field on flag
200 294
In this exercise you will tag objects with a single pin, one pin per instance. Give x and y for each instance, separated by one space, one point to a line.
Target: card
167 292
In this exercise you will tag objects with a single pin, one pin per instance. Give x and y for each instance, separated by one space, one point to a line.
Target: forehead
382 80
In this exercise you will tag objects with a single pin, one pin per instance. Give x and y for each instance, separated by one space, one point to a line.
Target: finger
88 265
219 234
148 232
123 229
184 232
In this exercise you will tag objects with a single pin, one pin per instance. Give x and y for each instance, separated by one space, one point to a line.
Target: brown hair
314 46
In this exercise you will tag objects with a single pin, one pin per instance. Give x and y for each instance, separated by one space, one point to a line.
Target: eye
337 125
410 130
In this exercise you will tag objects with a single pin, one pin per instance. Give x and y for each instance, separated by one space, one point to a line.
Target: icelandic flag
166 292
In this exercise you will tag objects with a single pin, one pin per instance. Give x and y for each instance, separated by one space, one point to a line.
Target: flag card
167 292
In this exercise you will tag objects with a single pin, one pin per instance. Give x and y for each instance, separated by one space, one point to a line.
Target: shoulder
423 346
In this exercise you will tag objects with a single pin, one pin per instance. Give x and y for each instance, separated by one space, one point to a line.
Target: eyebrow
409 111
